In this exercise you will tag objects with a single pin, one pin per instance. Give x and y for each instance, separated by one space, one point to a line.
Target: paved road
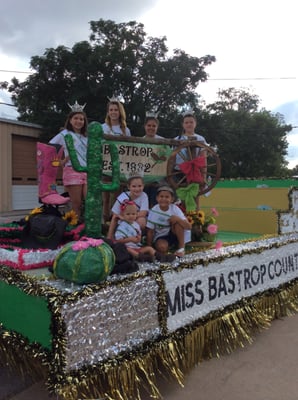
265 370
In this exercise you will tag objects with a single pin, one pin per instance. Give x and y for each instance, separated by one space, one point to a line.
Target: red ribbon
192 171
126 203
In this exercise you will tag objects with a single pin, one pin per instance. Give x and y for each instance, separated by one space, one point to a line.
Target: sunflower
36 210
201 217
71 217
196 217
190 219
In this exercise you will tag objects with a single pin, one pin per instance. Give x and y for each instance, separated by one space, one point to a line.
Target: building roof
22 123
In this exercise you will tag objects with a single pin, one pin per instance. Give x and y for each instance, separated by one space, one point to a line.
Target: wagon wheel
188 151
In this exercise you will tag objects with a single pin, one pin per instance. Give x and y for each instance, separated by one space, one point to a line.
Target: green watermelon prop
85 261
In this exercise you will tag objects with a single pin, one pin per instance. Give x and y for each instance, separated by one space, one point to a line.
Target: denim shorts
171 238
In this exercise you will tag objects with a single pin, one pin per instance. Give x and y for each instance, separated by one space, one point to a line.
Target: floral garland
26 259
10 231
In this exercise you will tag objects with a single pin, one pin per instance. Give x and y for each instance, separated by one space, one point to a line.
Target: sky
254 42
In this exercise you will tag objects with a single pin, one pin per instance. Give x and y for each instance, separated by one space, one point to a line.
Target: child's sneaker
180 252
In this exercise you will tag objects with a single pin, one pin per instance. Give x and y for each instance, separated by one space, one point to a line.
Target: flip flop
180 252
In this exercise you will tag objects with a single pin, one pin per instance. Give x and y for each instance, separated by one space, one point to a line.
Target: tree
235 99
118 59
294 171
250 143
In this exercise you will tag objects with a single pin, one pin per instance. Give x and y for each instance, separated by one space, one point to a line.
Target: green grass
227 237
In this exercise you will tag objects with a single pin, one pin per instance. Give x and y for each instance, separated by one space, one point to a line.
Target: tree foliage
250 143
295 171
118 59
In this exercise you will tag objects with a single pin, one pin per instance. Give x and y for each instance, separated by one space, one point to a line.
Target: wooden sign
148 160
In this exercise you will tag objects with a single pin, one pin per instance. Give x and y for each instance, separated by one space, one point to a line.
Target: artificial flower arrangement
204 227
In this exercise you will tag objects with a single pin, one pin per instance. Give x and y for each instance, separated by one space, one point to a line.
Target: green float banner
25 314
256 183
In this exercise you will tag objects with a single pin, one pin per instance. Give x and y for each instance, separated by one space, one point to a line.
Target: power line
15 72
7 104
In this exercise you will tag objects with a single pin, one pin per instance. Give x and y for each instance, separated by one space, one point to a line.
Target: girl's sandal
180 252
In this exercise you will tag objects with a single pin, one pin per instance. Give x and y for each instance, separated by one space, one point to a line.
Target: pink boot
47 169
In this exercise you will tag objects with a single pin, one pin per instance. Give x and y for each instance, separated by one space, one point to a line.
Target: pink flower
218 245
86 242
212 229
80 245
214 212
95 242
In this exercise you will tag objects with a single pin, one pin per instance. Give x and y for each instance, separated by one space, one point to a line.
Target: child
167 225
151 125
129 232
136 193
189 123
75 183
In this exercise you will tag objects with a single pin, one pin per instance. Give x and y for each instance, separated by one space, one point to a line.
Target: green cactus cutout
94 169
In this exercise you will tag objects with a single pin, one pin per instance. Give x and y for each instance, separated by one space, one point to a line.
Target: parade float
112 336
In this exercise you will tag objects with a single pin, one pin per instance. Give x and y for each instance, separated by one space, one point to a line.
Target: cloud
28 28
290 111
6 108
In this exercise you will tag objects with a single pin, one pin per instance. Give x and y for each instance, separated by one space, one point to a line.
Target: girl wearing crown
115 122
75 183
151 125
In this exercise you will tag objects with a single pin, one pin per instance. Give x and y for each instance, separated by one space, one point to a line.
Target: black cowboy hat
43 231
